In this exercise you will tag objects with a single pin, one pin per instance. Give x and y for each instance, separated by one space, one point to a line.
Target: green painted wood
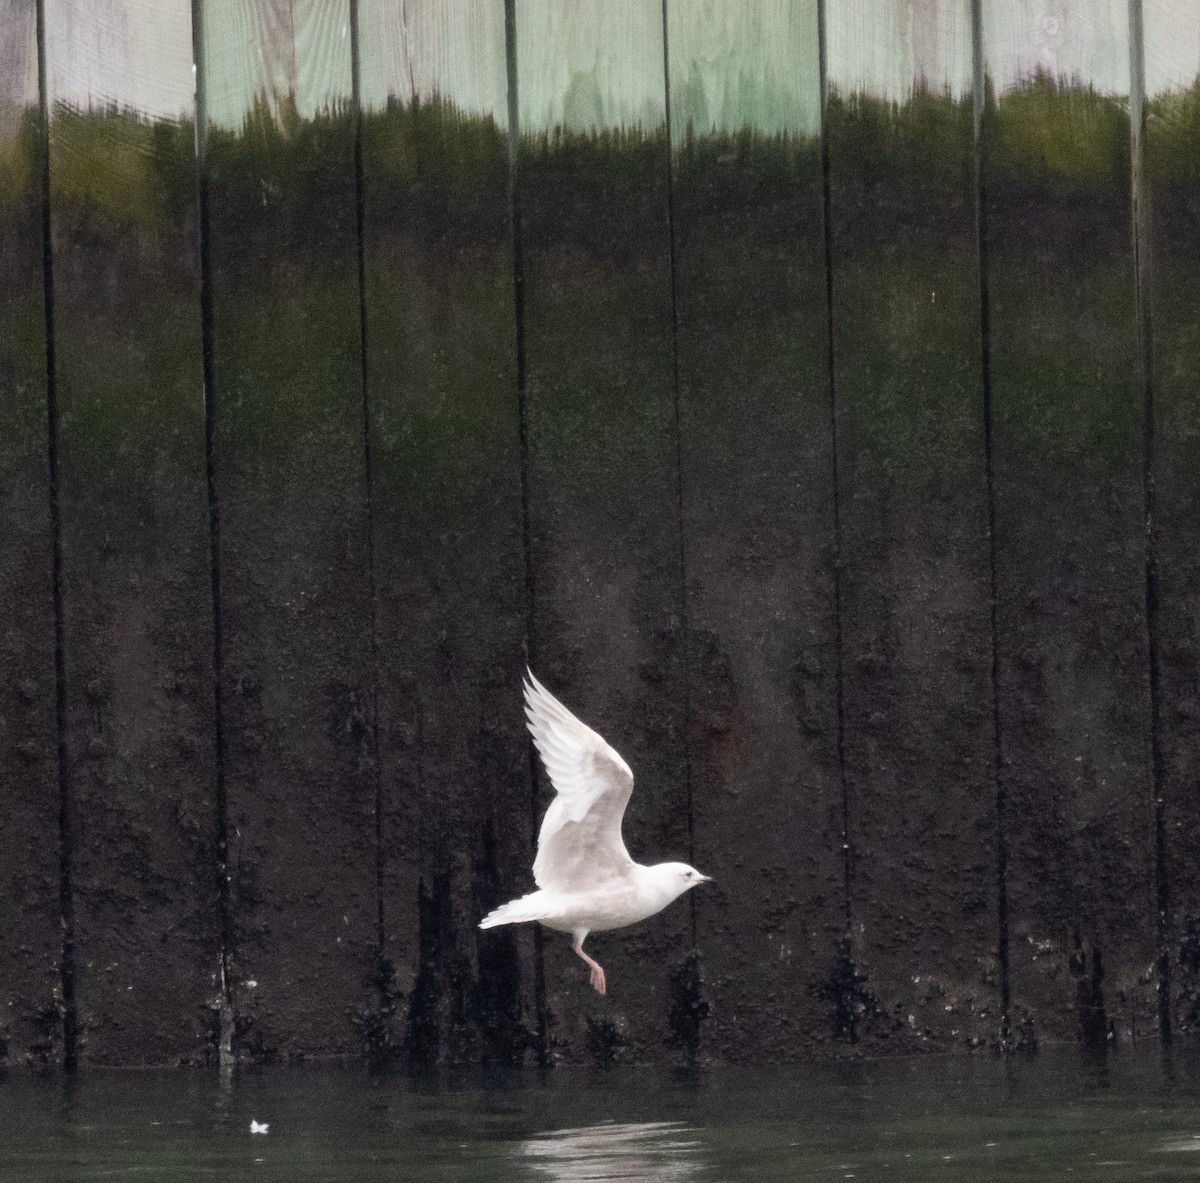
1086 41
289 462
450 566
608 625
1172 62
122 53
757 469
30 1027
886 50
744 66
916 619
571 76
137 610
1069 528
454 49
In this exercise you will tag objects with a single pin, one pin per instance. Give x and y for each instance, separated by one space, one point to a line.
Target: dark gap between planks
685 622
1143 281
847 1019
382 969
221 820
70 1018
979 101
518 261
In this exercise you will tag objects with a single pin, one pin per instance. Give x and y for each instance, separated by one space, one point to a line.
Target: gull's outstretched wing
580 845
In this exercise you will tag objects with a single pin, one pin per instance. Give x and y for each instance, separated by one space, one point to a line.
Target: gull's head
676 878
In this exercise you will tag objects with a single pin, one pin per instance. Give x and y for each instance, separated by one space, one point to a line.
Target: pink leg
598 983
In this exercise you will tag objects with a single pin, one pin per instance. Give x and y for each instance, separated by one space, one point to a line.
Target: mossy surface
122 182
30 915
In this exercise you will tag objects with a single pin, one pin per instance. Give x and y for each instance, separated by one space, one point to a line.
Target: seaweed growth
687 1008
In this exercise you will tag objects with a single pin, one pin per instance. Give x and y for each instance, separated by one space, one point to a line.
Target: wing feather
580 845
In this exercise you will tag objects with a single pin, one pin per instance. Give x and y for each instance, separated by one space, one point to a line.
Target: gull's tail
528 907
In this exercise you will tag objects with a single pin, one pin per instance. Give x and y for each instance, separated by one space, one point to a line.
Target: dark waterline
1134 1117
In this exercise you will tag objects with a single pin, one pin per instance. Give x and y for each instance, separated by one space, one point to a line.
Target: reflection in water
612 1150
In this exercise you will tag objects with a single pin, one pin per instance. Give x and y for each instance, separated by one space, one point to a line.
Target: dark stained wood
29 846
600 439
608 625
447 494
294 544
757 494
1069 529
138 636
1172 185
915 607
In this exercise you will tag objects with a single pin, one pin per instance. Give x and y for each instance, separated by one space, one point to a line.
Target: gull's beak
706 878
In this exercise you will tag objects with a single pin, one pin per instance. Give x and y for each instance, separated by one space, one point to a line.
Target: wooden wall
807 391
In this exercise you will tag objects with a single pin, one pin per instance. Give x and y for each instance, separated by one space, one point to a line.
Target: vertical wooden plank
1172 269
603 491
1069 541
451 587
29 847
294 554
916 619
138 618
745 93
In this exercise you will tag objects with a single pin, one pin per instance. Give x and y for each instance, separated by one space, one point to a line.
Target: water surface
1136 1117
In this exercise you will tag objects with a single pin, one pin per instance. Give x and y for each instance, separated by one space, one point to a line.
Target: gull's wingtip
542 709
533 692
533 687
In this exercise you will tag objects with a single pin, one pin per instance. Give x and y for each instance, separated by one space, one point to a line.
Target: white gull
587 881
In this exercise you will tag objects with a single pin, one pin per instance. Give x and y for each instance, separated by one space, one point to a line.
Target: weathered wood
120 53
1171 269
452 49
757 497
289 462
138 616
447 493
915 607
605 431
1069 530
888 50
608 626
30 1027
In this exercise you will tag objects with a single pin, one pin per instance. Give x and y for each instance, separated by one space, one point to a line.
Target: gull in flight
587 881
